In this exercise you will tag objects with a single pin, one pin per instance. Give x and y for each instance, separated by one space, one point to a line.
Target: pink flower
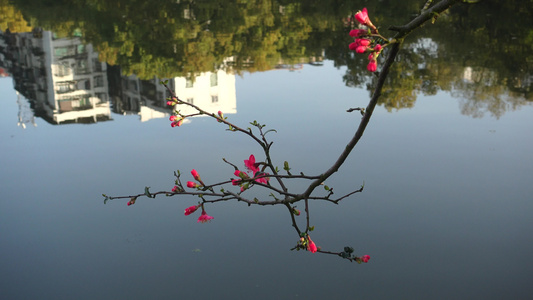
191 184
360 45
365 258
363 42
132 201
190 210
177 123
175 189
357 32
311 245
220 117
173 118
372 66
251 164
363 45
195 175
362 16
263 180
239 174
204 217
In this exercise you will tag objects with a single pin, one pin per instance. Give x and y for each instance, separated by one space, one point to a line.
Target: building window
214 79
133 85
97 65
86 84
214 99
61 52
63 69
65 87
80 49
190 100
81 67
98 81
189 83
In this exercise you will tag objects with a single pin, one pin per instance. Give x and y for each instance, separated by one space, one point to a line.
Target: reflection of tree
499 71
11 18
180 38
170 39
479 93
480 42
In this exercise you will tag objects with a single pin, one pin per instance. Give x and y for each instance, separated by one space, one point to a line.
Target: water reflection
65 82
445 215
474 52
63 78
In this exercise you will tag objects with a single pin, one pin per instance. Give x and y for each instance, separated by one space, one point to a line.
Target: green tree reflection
482 54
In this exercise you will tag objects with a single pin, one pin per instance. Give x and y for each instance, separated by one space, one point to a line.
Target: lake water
445 213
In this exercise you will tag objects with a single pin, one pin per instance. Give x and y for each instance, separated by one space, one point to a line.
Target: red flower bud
357 32
311 246
177 123
195 175
191 184
372 66
362 16
190 210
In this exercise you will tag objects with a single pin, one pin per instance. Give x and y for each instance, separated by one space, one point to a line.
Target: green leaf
348 249
147 192
311 228
326 188
286 166
270 131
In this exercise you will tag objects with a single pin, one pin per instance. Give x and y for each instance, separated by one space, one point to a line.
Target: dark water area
446 159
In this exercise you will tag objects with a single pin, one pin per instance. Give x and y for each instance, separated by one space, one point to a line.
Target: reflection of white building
211 91
66 83
78 78
133 96
62 76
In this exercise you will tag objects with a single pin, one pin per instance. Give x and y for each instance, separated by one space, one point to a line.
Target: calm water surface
445 213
